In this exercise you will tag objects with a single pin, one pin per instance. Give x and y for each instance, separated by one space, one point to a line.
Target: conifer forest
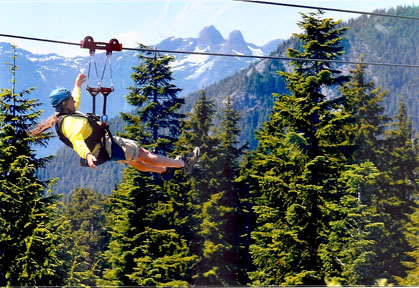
329 195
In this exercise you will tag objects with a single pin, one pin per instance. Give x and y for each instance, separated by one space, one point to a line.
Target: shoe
170 171
191 160
168 174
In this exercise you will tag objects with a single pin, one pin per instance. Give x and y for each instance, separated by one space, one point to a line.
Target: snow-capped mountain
193 72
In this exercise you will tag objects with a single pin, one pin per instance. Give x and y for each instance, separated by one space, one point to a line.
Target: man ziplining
92 142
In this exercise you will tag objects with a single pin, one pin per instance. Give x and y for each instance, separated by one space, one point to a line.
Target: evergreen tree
228 160
156 101
85 236
213 182
299 164
398 187
206 226
365 105
30 221
368 124
246 182
412 232
349 253
146 247
122 216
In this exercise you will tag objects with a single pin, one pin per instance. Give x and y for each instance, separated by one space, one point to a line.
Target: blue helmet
58 95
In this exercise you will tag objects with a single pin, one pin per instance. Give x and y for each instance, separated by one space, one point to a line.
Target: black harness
100 129
98 136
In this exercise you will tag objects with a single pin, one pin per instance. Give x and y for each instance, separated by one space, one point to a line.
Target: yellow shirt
76 129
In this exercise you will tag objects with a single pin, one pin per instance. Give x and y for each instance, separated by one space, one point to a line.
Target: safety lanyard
113 45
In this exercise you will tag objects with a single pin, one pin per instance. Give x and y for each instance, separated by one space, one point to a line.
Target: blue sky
150 21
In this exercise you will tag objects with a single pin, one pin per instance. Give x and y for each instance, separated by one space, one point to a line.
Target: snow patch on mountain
42 75
50 68
256 51
191 60
48 58
202 69
237 52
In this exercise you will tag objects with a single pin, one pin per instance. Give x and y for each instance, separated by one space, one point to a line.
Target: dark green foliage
30 224
145 217
234 230
157 103
121 216
145 247
206 239
214 195
365 105
398 189
354 233
298 169
412 232
394 188
85 237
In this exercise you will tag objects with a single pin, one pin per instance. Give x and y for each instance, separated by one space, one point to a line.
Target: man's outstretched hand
81 78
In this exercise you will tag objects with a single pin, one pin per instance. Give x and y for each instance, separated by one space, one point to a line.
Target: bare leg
155 160
144 167
149 162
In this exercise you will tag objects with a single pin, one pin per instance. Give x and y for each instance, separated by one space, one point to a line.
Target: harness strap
113 45
117 152
98 137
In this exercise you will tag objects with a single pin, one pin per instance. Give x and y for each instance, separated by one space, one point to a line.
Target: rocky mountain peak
236 44
236 36
209 37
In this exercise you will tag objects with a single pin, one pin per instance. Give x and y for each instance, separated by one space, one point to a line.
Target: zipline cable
277 58
230 55
331 9
40 39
